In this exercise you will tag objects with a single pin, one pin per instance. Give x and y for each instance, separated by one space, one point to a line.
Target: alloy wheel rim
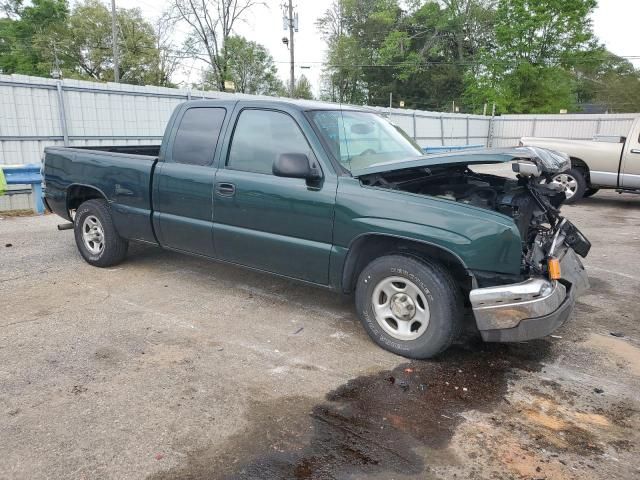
400 308
93 234
567 182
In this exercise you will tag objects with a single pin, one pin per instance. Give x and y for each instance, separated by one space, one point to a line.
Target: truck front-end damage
540 304
542 297
533 308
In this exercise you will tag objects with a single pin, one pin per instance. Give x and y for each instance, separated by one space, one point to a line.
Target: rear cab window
197 135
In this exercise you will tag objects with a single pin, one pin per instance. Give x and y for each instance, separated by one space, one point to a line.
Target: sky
615 23
263 25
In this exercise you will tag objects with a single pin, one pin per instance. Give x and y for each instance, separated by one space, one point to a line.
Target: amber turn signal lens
554 268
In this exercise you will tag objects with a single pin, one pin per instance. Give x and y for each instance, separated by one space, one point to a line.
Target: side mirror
296 165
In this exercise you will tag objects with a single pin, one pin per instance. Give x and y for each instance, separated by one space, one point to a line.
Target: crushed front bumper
530 309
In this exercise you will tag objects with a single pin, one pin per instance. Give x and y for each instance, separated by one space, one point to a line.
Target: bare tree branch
211 23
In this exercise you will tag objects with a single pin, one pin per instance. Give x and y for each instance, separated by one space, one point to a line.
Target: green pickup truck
337 197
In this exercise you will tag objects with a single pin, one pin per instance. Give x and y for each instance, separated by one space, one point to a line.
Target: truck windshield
362 139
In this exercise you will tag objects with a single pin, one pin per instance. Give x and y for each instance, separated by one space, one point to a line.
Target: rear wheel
96 236
572 182
408 306
590 192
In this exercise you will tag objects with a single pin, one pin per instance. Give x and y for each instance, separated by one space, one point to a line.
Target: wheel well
78 194
580 164
369 247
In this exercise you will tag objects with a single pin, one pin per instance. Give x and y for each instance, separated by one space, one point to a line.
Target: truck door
276 224
183 182
630 168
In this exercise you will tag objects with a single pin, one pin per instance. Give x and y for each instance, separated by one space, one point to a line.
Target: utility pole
290 22
114 41
291 53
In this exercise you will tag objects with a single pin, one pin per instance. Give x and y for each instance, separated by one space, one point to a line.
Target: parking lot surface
171 366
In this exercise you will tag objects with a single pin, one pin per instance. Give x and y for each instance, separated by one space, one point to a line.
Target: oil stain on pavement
389 423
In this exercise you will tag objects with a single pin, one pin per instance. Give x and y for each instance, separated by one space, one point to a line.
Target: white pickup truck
604 162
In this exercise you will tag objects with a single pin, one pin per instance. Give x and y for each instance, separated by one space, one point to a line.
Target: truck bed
121 176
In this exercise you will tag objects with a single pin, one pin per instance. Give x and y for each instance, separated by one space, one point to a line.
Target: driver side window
260 137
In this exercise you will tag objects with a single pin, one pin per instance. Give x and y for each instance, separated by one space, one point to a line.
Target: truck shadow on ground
240 278
384 423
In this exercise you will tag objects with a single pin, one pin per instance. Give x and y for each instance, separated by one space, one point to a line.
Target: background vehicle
605 162
340 199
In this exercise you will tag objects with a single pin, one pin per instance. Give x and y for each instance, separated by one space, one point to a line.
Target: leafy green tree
342 79
45 39
537 43
29 36
302 88
250 67
419 51
446 38
526 56
88 48
620 93
608 80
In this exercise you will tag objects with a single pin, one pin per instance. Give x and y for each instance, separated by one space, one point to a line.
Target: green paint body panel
285 226
481 239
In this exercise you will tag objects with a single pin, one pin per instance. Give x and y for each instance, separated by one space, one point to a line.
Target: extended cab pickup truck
337 197
604 162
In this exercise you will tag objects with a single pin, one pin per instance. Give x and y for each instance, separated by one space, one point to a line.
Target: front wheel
408 306
96 236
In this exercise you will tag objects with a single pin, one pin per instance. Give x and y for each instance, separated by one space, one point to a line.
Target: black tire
578 174
589 192
114 247
440 291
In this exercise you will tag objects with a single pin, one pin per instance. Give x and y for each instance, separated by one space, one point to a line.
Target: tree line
524 56
48 38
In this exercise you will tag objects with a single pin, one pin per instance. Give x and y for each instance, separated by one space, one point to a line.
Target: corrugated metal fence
37 112
507 129
437 128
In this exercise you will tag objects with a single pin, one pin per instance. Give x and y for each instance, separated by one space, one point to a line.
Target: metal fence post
467 129
442 130
415 133
62 114
533 126
490 132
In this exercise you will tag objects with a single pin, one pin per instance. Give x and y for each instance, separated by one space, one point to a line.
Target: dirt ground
169 366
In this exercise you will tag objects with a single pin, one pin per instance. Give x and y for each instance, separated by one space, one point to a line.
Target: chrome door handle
226 189
635 150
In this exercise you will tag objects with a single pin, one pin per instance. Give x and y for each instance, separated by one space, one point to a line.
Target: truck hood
549 161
